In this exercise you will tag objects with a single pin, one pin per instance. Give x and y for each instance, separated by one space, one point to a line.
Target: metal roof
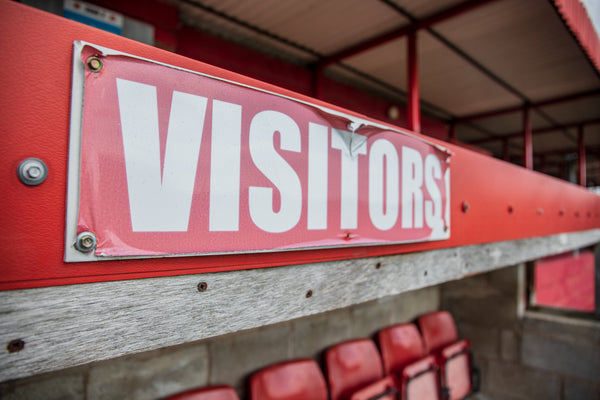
495 55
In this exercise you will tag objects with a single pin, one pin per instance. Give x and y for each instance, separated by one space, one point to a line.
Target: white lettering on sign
161 201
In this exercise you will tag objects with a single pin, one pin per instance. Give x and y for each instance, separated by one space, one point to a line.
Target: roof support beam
527 138
426 22
581 177
413 110
548 102
535 132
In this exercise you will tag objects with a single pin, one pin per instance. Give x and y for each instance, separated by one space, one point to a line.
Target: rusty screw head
94 64
15 346
86 242
465 206
202 286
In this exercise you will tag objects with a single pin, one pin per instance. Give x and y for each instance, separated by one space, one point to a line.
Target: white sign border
74 164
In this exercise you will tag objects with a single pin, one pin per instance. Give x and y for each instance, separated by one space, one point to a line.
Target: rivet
577 213
561 212
511 209
540 211
32 172
86 242
15 346
465 206
202 286
94 64
309 294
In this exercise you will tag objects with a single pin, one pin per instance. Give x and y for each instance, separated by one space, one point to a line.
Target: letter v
160 203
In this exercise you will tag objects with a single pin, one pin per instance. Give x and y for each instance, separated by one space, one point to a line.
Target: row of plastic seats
432 364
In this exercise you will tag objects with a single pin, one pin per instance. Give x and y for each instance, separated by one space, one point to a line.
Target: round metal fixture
86 242
32 171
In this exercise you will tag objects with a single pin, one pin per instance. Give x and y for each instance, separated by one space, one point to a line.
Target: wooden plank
71 325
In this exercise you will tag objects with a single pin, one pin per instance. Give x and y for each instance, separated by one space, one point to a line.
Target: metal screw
94 64
202 286
309 294
465 206
32 172
540 211
15 346
86 242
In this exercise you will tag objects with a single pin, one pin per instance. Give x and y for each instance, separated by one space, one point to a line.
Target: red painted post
527 138
581 178
413 111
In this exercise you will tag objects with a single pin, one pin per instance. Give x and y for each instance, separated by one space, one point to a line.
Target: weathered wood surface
71 325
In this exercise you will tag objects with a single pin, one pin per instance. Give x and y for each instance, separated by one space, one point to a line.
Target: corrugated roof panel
452 83
325 26
424 8
575 111
387 62
218 26
526 44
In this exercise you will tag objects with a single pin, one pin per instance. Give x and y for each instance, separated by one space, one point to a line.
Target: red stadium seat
354 371
453 356
291 380
207 393
417 376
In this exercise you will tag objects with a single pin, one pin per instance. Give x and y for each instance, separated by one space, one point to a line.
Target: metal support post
527 138
581 177
413 111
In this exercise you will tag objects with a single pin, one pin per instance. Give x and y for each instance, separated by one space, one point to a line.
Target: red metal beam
535 132
412 103
544 103
581 178
397 33
37 215
527 139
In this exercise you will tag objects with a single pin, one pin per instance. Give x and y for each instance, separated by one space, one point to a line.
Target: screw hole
465 206
309 294
202 286
425 273
378 265
15 346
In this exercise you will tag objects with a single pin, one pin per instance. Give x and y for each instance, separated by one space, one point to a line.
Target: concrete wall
521 354
225 359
